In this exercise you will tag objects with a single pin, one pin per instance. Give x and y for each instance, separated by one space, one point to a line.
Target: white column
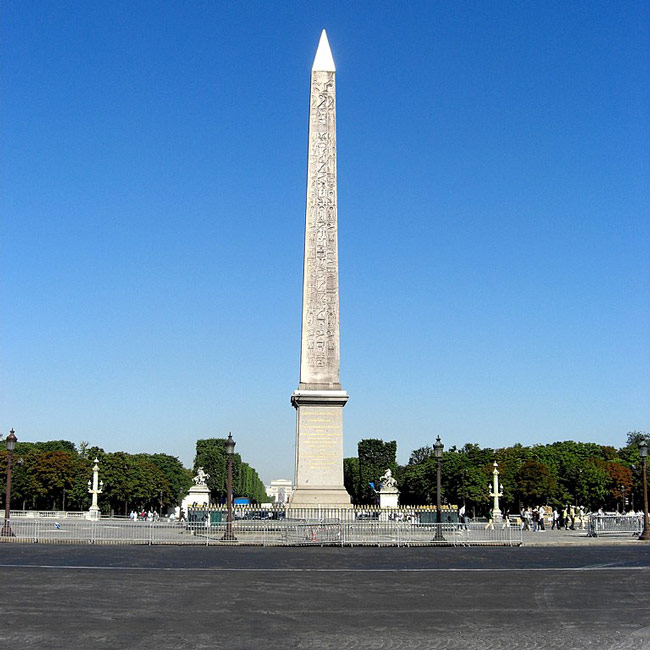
497 491
95 490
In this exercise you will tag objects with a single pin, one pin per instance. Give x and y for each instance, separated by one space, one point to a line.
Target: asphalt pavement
55 596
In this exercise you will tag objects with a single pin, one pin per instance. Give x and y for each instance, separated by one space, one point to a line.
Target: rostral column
319 400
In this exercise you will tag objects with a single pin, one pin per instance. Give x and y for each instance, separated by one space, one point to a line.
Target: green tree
463 475
417 482
351 477
53 472
130 481
630 457
211 455
621 484
24 486
246 481
635 437
535 483
420 455
375 457
179 479
48 445
510 460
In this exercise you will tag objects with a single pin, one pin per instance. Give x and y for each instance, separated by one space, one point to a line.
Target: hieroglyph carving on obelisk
319 400
319 359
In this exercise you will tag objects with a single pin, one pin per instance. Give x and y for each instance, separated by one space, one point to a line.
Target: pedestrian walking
490 523
555 519
506 519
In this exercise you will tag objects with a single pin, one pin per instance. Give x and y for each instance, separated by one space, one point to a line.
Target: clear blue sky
494 194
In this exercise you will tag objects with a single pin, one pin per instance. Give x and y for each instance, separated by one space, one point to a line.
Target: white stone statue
201 477
387 480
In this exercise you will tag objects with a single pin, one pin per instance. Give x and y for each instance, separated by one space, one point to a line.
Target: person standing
506 519
565 517
461 518
541 512
490 523
535 519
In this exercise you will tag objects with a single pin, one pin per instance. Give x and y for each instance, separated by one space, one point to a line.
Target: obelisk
319 400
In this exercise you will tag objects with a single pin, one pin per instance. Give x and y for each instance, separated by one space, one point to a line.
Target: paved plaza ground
163 597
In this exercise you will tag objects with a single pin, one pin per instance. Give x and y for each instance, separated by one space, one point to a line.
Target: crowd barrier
286 532
630 525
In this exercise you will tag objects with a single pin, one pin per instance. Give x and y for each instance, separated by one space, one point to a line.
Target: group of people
565 517
144 515
536 519
152 515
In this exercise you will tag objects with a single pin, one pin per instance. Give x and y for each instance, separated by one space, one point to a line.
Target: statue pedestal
388 497
198 496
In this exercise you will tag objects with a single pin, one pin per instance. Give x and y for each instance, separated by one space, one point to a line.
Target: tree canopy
580 473
211 455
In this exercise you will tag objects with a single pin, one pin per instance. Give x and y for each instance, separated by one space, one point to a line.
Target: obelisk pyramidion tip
323 59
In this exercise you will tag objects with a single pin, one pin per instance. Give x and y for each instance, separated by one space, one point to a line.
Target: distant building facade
280 490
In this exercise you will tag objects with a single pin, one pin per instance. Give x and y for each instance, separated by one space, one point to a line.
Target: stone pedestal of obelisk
319 400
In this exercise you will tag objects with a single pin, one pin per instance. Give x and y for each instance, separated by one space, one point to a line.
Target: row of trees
211 455
579 473
54 475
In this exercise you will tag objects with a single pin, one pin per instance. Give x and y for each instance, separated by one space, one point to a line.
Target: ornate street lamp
438 448
495 491
11 445
229 536
97 488
643 452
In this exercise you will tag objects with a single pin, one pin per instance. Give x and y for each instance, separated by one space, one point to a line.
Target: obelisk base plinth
319 449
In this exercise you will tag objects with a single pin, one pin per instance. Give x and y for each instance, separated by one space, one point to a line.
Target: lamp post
643 451
11 445
438 448
96 489
229 536
621 489
497 491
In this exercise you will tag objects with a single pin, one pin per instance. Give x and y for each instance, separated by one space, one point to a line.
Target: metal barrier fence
287 532
630 525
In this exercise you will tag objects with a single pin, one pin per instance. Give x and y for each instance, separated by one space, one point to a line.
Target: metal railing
421 514
287 532
630 525
49 514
